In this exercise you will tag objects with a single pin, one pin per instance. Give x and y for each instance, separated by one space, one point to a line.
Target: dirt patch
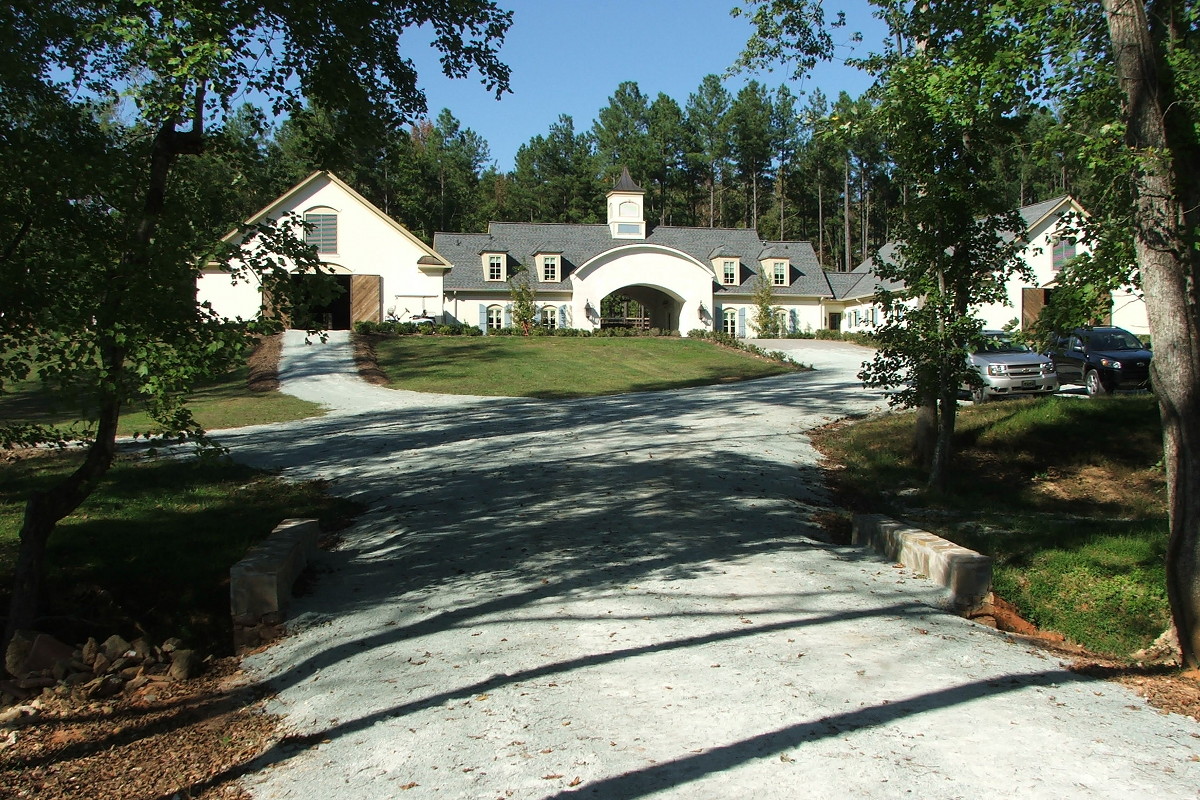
365 359
1099 484
264 364
188 740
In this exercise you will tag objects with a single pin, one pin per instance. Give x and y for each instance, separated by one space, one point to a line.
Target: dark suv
1101 360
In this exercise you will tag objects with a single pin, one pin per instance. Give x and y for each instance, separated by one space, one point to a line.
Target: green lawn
152 547
552 367
1065 494
224 403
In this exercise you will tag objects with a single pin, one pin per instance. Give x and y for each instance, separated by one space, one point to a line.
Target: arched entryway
673 291
640 307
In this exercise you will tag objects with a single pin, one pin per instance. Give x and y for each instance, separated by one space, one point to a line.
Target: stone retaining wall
260 585
966 575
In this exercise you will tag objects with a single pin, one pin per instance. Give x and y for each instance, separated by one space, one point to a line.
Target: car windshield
1115 340
1001 344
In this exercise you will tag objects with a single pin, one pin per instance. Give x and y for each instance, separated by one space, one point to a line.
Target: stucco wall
687 283
367 244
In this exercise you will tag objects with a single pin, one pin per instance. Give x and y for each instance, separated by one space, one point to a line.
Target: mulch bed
264 364
181 740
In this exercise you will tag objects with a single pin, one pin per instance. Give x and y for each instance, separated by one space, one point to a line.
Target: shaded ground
629 597
626 623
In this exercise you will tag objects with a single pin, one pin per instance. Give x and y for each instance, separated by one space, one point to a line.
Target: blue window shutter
508 316
562 316
483 318
793 320
718 319
742 322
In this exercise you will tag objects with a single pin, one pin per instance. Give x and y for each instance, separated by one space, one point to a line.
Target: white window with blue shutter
483 319
729 321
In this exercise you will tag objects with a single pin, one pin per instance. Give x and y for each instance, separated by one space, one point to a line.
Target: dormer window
779 273
494 266
550 269
322 230
729 272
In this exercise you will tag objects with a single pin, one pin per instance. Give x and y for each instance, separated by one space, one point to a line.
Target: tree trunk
44 509
1165 221
712 193
943 450
924 441
754 201
846 212
820 222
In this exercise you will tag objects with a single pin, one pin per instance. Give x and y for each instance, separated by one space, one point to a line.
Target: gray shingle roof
866 270
578 244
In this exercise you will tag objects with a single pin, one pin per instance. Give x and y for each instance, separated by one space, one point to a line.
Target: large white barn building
684 278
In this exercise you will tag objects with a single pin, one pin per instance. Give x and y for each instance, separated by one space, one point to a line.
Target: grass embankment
1066 495
223 403
552 367
150 550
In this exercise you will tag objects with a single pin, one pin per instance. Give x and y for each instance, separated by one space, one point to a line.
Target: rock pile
94 670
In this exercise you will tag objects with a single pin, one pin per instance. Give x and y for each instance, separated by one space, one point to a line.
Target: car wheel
1095 387
978 395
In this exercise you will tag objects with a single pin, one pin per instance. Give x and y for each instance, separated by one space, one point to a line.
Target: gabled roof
1034 215
429 255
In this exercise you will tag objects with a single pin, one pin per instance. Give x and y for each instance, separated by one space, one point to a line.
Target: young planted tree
102 241
523 299
766 313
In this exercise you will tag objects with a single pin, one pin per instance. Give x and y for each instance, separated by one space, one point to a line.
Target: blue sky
568 56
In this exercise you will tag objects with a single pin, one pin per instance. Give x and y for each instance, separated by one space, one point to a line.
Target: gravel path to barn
628 597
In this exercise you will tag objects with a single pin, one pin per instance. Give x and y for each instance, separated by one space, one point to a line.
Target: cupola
626 218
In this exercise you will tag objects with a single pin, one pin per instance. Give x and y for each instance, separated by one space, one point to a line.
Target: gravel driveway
625 597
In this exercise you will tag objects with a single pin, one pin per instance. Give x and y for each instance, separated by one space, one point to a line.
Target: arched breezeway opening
641 307
671 289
